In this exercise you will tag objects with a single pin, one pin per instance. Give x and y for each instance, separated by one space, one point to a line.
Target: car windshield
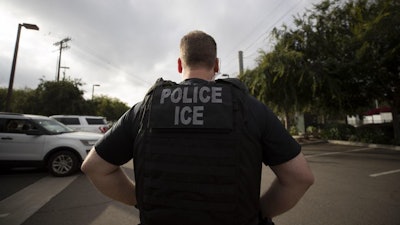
53 126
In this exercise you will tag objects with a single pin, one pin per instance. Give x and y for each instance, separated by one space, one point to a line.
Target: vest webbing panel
204 180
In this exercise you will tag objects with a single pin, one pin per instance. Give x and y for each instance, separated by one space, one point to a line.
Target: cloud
125 45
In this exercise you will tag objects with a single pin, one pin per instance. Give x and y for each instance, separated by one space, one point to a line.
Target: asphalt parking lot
354 185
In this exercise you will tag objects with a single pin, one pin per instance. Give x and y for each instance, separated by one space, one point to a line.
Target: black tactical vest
195 162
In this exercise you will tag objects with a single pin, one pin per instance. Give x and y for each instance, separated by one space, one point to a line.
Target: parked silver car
96 124
32 140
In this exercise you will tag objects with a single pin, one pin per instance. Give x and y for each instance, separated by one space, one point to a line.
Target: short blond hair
198 49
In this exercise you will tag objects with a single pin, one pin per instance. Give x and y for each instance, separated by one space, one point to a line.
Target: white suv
32 140
96 124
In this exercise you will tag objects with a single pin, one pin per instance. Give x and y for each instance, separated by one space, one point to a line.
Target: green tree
337 59
62 97
379 53
255 81
3 96
23 101
111 108
353 48
327 42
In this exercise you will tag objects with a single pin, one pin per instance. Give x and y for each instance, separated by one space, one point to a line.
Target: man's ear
216 66
180 65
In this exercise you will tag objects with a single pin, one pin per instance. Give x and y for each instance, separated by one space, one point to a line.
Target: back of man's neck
199 74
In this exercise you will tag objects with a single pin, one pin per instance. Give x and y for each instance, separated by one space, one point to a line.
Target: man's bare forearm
109 179
293 179
278 199
116 186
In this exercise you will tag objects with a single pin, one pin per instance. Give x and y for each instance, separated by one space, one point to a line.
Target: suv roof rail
11 113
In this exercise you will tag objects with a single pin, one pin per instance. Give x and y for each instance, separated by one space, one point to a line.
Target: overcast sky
125 45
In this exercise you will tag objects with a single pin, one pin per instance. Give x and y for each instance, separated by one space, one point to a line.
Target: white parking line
4 215
384 173
15 209
337 153
128 164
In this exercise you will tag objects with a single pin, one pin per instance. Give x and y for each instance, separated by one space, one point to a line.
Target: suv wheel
63 163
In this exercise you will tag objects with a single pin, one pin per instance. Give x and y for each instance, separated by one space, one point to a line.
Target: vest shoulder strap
145 107
234 82
160 83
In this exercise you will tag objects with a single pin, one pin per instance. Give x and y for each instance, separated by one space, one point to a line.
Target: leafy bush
311 130
337 131
370 133
375 133
293 130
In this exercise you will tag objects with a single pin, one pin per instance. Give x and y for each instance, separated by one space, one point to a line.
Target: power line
268 30
109 64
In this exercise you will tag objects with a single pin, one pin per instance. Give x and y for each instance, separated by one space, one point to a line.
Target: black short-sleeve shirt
117 144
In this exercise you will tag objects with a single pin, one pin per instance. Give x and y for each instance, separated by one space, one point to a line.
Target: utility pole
240 62
63 45
64 67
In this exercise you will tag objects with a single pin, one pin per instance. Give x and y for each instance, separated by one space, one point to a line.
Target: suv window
2 125
15 126
69 120
53 126
92 121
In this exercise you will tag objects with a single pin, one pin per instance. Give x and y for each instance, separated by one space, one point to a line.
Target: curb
313 142
351 143
339 142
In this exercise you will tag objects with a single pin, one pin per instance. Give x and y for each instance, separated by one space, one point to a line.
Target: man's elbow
311 180
88 165
303 173
307 180
84 167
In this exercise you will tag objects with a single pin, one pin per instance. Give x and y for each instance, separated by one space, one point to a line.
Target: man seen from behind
198 148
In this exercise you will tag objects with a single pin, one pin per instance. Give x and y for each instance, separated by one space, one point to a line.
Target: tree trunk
395 116
286 120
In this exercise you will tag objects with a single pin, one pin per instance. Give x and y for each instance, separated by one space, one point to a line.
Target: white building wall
378 118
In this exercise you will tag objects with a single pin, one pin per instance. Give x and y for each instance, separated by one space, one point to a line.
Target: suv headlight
88 142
